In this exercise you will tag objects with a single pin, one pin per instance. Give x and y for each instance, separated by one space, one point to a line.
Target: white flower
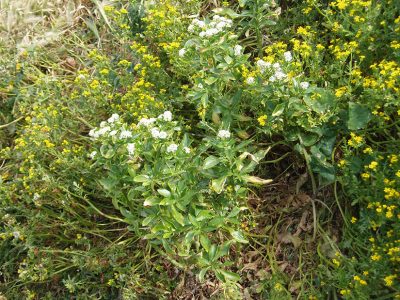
237 50
162 135
210 32
155 133
112 133
191 28
201 24
288 56
93 154
172 148
263 65
36 196
272 78
146 122
276 66
200 86
250 80
280 75
224 134
186 149
304 85
103 130
125 134
93 133
16 234
202 34
103 124
167 116
182 52
113 118
131 148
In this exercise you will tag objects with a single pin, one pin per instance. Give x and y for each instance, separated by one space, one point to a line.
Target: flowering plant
186 197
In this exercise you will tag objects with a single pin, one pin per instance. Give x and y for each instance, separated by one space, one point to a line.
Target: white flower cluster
131 148
263 65
105 128
113 128
304 85
157 134
224 134
172 148
182 52
275 68
288 56
237 50
217 25
166 116
279 74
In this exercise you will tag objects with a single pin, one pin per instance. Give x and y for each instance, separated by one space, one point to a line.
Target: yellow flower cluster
355 141
262 120
389 280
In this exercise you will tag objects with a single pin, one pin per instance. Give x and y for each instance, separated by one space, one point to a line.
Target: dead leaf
288 238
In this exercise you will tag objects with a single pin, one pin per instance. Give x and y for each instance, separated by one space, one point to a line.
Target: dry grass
27 24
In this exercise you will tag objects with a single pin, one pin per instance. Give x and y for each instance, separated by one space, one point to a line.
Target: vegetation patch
199 149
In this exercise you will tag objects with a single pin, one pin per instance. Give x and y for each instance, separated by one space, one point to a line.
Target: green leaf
108 183
217 222
205 242
164 192
210 80
238 236
151 201
210 162
177 216
359 116
189 238
308 138
212 252
107 151
278 110
146 221
202 274
235 211
218 184
228 59
229 276
141 178
223 249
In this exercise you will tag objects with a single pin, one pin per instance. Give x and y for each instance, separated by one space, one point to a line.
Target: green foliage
187 199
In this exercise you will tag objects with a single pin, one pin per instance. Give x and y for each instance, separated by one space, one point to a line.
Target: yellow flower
373 165
365 176
368 150
345 292
262 120
278 287
341 4
340 91
389 280
376 257
336 262
303 31
353 220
